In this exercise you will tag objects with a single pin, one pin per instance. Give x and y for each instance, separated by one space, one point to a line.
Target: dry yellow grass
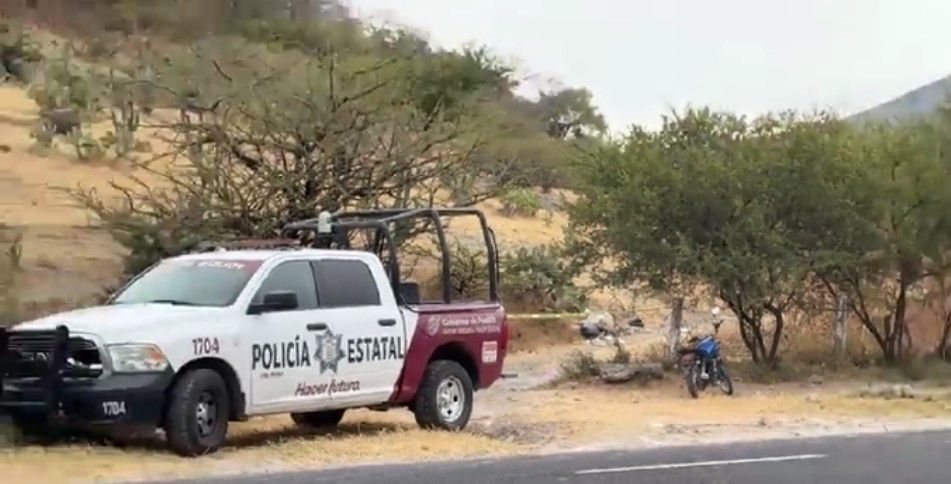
591 415
261 445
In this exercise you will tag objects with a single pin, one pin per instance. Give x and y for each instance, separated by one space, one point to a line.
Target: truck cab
307 326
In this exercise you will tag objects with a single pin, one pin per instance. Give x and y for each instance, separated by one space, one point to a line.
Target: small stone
815 380
812 398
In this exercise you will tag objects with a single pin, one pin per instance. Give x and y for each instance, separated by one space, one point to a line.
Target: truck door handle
387 322
316 326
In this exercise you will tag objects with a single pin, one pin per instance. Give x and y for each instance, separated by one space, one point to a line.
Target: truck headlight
136 358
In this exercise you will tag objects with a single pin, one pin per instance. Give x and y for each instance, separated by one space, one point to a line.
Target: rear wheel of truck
444 398
318 420
197 418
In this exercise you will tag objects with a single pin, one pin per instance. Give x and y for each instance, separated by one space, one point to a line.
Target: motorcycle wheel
724 382
692 378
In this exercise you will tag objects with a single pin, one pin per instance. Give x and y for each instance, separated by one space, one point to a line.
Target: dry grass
576 417
605 415
262 445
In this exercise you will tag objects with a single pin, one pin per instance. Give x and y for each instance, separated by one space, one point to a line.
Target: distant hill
919 102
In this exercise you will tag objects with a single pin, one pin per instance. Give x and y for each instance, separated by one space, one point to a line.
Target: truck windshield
214 283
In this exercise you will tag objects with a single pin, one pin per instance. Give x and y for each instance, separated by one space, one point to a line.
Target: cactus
125 121
124 113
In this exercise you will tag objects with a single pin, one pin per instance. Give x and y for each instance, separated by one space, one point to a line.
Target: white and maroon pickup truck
206 338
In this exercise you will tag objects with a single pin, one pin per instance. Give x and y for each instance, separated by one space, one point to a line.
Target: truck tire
318 420
444 398
196 421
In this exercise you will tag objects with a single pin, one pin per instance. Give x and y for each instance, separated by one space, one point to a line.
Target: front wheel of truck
197 418
444 398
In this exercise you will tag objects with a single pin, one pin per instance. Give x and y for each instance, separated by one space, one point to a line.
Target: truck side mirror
275 302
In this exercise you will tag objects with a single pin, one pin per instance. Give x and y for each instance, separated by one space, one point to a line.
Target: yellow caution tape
547 316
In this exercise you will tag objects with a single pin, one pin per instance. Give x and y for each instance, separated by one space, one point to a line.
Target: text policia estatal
297 352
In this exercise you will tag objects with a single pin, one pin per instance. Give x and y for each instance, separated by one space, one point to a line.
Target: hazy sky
642 57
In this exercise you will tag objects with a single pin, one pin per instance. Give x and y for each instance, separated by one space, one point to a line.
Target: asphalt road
883 458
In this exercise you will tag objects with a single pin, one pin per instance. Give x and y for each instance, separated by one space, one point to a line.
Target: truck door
366 335
284 370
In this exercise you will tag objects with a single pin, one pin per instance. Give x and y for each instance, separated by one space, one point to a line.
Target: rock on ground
623 373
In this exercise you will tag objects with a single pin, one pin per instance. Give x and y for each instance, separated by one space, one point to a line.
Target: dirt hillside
65 262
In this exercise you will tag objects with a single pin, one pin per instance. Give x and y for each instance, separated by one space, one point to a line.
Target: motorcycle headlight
136 358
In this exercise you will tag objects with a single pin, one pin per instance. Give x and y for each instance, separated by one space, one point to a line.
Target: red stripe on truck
478 332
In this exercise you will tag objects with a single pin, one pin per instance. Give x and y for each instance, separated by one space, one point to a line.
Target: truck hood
126 323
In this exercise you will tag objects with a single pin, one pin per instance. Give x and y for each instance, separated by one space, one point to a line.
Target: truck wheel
318 420
197 418
444 398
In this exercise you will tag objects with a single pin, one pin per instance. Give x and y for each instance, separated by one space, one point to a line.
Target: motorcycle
701 363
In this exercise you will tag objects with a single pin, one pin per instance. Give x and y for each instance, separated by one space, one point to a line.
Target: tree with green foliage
897 232
570 113
714 201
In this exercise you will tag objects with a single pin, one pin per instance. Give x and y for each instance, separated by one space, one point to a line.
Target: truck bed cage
332 231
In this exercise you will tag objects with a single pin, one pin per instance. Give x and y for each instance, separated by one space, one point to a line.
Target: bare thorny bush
263 138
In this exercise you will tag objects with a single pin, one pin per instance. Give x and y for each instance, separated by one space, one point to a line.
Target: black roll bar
380 220
4 355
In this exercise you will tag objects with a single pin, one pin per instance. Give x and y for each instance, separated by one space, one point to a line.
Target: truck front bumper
126 399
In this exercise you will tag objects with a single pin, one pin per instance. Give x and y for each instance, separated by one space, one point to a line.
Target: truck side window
345 283
294 276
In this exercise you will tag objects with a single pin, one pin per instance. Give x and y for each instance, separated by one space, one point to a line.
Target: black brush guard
46 376
13 365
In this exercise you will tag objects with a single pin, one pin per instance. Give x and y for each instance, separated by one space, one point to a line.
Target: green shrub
468 271
17 53
579 365
542 278
521 201
62 85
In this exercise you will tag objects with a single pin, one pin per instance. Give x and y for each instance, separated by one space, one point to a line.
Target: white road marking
708 463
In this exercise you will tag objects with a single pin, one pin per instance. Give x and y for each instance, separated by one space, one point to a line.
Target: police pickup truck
307 326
